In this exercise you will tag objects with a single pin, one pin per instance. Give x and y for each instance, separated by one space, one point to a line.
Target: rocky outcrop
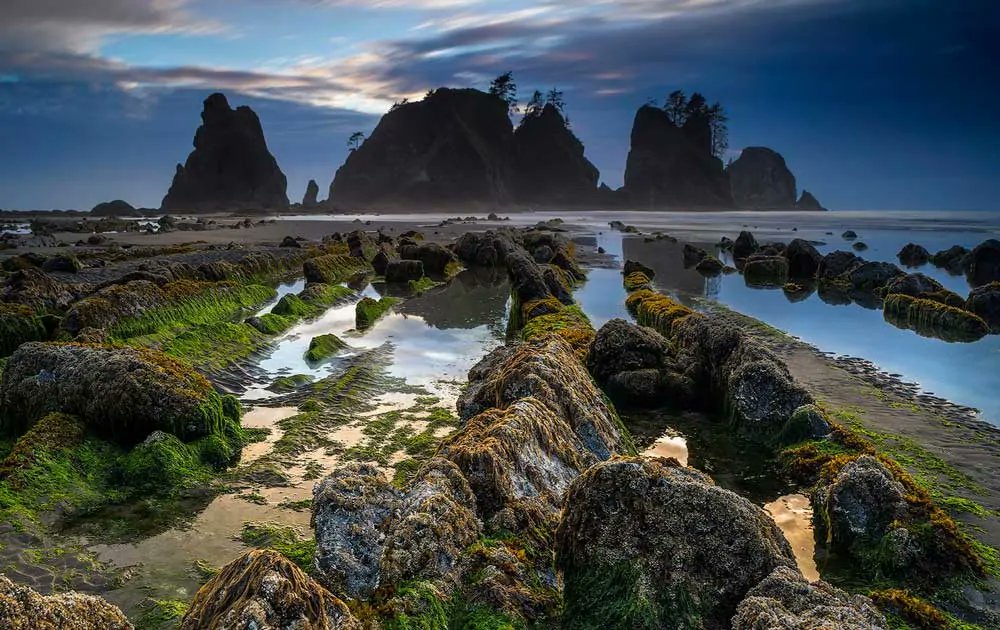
785 599
38 291
369 533
311 198
984 301
951 259
550 166
920 286
487 249
122 393
744 245
635 366
760 180
982 265
803 259
435 257
932 318
838 263
116 208
21 608
263 590
761 270
808 202
670 166
403 270
454 146
230 167
859 505
648 543
869 276
913 255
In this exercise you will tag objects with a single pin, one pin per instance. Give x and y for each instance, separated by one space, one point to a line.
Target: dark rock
765 271
759 179
838 263
263 590
859 505
404 270
381 262
116 208
666 541
693 255
310 199
710 266
786 600
982 265
920 286
870 276
913 255
633 364
230 166
850 235
289 241
808 202
38 290
361 245
669 165
632 266
803 259
984 301
453 146
122 393
806 423
527 281
27 260
744 245
952 259
484 250
23 608
550 166
542 254
435 257
66 263
860 246
370 534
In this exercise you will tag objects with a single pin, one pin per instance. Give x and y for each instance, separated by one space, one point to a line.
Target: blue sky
875 104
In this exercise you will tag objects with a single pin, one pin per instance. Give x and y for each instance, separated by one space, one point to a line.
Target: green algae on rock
19 324
262 589
333 268
21 608
323 347
120 392
369 310
933 318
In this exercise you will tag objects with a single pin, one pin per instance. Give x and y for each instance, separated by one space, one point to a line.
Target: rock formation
760 179
310 199
264 590
21 608
116 208
648 543
803 259
984 301
230 167
550 166
808 202
913 255
669 165
982 265
454 146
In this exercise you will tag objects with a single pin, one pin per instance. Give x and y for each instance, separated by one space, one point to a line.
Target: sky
875 104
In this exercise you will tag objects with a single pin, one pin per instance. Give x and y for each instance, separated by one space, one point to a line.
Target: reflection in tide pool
793 515
669 445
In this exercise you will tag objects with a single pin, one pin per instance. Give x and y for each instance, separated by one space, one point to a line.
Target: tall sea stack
454 146
550 162
673 166
230 167
760 180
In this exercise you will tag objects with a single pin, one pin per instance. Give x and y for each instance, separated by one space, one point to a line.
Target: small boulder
22 608
803 259
744 245
484 250
982 265
984 301
403 270
263 590
786 600
290 241
951 259
857 508
66 263
435 257
838 263
766 271
710 266
849 235
870 276
913 255
632 266
648 543
693 255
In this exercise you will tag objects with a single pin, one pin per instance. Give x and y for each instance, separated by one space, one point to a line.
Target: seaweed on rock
932 318
369 310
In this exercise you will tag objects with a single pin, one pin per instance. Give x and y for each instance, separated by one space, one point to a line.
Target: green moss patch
419 287
19 324
286 540
570 323
323 347
368 311
212 347
932 318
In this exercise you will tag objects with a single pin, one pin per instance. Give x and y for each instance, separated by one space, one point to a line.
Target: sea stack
550 162
760 180
454 146
230 167
670 165
309 200
808 202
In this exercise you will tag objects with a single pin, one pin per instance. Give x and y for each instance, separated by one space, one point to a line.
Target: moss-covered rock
931 318
568 322
369 310
635 281
913 255
370 534
121 393
765 271
19 324
656 310
437 260
404 270
262 589
648 543
333 268
323 347
803 259
21 608
785 599
984 301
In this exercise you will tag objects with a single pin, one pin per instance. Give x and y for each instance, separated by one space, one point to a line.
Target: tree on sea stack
504 88
355 140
